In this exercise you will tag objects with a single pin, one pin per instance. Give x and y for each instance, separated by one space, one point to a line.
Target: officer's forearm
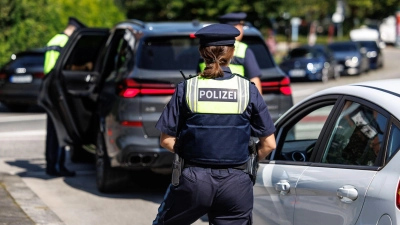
167 142
265 146
257 82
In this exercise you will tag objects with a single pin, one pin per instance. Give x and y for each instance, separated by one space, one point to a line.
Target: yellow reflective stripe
240 102
240 49
195 90
188 93
190 98
245 94
238 69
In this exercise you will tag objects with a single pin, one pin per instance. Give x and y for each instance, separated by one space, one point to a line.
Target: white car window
357 136
310 126
302 136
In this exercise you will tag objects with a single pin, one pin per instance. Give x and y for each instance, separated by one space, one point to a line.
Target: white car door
297 133
332 190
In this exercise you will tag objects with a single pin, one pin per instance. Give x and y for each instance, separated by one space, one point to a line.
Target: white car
336 160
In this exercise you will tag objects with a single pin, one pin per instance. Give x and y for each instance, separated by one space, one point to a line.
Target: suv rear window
24 60
169 53
181 53
260 50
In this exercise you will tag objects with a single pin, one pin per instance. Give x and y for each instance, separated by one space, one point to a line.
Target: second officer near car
209 121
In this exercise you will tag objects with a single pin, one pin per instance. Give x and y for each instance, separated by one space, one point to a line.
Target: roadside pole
398 28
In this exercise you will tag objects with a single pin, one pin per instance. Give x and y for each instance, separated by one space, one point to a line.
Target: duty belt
238 167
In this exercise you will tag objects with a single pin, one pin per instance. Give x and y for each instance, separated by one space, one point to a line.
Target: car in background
20 79
336 160
310 63
387 30
111 110
374 53
350 56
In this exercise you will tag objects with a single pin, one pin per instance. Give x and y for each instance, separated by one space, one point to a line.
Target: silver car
336 160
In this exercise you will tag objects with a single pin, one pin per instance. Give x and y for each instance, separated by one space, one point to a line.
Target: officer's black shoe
63 172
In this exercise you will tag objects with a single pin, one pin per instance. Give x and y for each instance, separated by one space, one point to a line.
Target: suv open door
69 92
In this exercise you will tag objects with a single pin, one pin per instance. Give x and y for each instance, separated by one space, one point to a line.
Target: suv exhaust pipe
141 159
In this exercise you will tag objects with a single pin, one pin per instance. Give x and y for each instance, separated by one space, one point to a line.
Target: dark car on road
351 57
111 110
374 53
20 79
310 63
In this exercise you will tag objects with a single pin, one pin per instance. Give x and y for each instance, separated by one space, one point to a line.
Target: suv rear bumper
140 157
19 93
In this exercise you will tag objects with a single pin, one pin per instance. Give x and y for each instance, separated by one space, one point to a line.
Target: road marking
22 133
7 119
10 135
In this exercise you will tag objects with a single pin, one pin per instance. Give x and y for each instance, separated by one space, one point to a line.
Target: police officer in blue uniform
243 62
209 121
55 154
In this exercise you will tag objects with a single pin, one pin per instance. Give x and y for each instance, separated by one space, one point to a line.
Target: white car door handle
347 193
283 186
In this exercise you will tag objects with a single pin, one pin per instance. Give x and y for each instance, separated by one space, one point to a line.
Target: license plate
21 78
297 73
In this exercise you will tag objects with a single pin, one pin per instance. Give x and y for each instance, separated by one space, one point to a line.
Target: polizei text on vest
217 94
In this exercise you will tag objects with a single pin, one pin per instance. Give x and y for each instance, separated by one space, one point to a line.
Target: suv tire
108 179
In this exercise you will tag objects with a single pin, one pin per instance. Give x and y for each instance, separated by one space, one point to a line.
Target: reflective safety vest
53 48
217 130
236 65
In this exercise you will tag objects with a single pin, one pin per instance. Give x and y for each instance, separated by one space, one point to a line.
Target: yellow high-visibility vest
228 96
52 55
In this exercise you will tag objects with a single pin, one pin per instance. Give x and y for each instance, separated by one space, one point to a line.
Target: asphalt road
76 200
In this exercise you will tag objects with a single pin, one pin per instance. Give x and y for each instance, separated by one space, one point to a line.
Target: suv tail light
132 123
130 89
282 86
3 76
398 196
38 75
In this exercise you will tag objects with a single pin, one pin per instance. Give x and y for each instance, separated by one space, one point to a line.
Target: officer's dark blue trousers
226 195
55 155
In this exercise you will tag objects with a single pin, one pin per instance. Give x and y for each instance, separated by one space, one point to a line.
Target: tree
28 24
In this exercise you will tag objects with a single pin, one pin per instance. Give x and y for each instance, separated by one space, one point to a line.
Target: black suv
111 107
20 79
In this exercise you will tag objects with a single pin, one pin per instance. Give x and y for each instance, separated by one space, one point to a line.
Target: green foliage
28 24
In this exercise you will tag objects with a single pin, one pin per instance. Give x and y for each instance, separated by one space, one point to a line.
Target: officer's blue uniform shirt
261 122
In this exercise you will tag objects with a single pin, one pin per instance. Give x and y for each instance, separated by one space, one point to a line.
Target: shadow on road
144 185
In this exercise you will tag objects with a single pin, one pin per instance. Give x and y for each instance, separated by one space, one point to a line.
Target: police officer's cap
217 35
233 18
75 22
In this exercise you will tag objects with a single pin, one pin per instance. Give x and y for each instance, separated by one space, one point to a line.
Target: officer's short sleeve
260 119
168 121
252 69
